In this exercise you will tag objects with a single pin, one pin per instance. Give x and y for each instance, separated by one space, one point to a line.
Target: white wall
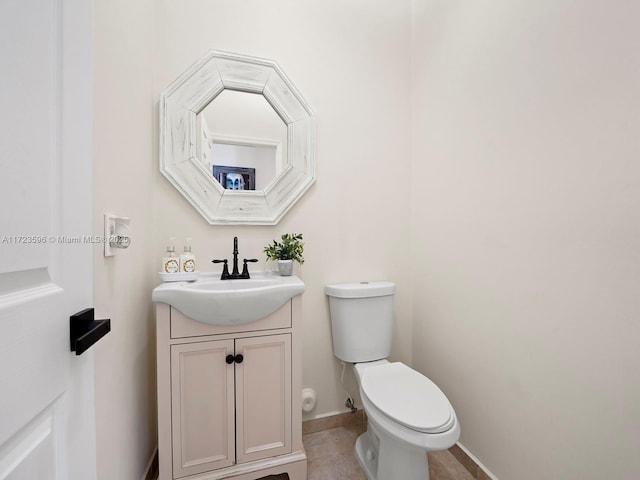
350 60
124 163
526 227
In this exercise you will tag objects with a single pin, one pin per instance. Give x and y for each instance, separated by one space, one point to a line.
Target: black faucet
235 273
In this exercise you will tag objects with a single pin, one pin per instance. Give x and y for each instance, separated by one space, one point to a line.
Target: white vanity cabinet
229 398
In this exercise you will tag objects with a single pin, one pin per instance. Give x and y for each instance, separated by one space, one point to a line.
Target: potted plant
286 251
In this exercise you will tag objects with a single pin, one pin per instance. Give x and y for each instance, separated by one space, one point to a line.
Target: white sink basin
229 302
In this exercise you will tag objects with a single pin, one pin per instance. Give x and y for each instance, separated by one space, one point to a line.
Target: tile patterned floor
330 456
329 444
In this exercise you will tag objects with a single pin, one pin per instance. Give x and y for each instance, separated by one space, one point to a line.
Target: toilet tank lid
360 289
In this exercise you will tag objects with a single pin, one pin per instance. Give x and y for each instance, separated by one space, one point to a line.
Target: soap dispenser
187 259
170 262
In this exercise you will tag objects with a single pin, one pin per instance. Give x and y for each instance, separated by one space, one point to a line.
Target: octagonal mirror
237 140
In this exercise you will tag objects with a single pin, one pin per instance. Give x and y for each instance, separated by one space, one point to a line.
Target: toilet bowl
407 416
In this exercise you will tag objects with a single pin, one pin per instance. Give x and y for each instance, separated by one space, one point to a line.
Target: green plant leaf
291 247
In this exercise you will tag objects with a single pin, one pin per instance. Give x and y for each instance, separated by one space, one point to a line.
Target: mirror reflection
243 140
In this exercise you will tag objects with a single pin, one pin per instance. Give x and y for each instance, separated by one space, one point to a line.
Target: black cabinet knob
239 358
229 359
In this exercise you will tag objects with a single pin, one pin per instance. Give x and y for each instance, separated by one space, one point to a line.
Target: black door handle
84 330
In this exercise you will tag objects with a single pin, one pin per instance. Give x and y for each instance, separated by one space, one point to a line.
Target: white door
47 425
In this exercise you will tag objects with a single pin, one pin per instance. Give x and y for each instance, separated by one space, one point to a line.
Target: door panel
202 401
30 454
263 396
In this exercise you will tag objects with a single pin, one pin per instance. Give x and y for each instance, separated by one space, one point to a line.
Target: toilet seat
407 397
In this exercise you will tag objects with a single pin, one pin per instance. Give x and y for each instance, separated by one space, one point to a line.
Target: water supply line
349 403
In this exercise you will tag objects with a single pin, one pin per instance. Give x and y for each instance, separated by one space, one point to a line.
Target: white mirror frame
191 92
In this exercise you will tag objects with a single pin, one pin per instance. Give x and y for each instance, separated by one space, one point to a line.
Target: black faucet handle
225 269
245 269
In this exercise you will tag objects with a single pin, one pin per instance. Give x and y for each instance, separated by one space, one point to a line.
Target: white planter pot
285 267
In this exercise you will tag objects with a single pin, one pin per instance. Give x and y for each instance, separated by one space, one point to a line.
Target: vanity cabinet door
202 391
263 397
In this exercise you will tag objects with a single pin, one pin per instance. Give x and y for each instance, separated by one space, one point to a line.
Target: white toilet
407 414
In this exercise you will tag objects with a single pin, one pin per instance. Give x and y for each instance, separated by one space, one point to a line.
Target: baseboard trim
471 463
326 422
325 415
151 472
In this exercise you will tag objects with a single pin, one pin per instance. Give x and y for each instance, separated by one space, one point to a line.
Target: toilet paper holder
309 398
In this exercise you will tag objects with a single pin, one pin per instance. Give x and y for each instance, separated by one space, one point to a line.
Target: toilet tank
361 320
